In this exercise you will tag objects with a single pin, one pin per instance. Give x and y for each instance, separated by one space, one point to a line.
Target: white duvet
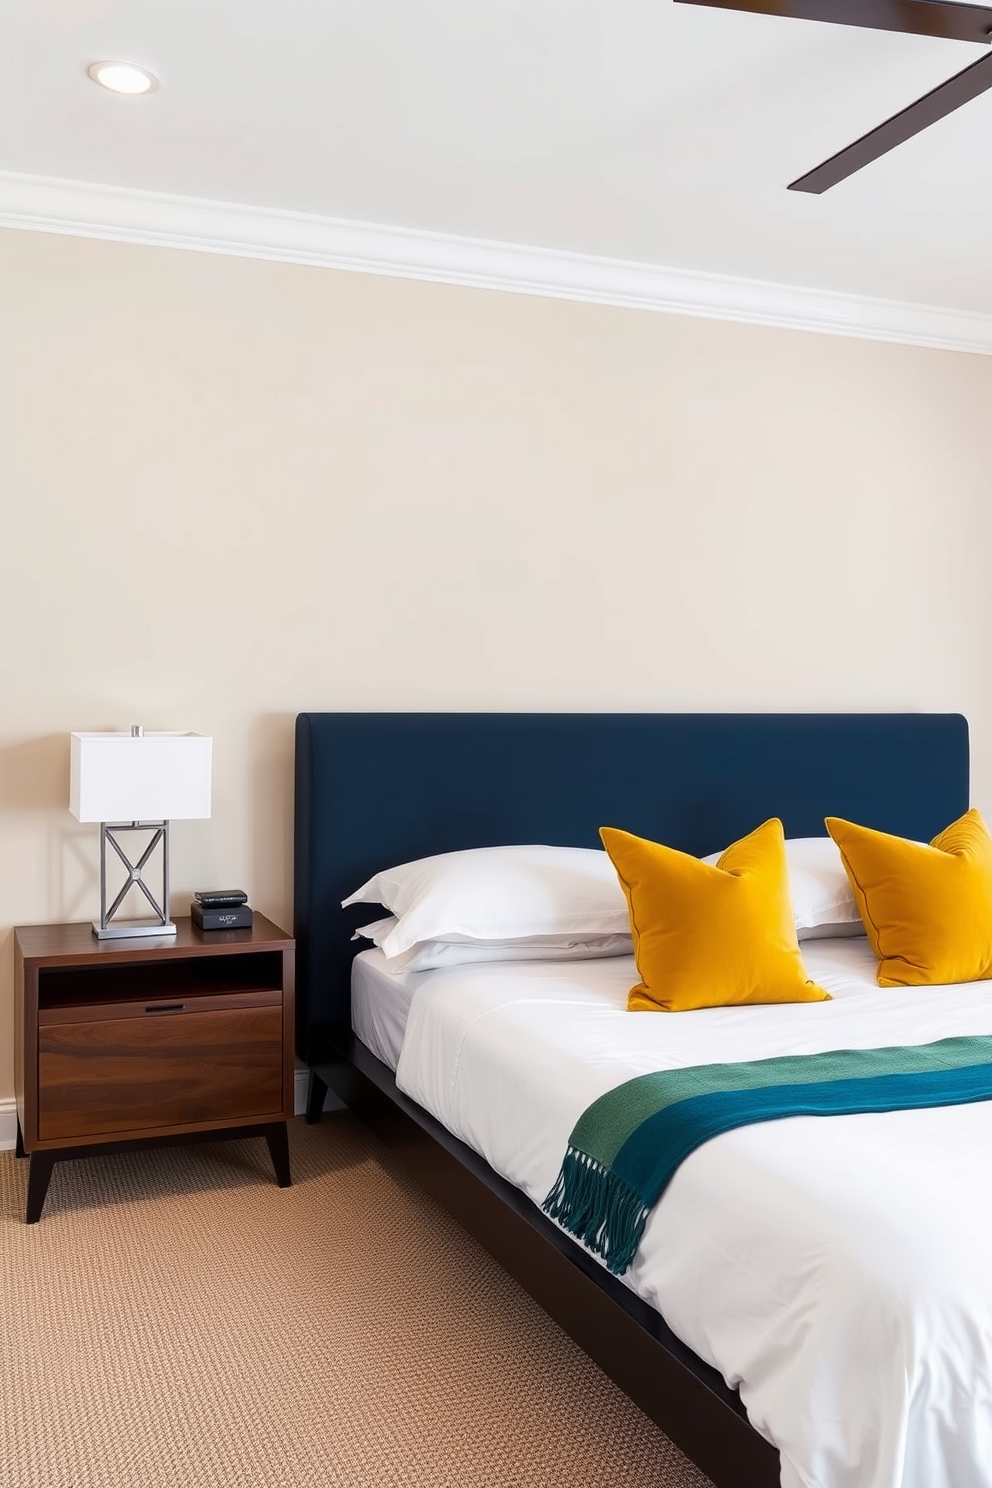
837 1270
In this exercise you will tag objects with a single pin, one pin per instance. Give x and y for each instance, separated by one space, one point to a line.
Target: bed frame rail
628 1340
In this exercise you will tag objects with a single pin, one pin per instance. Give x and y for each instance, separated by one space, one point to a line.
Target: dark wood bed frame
373 790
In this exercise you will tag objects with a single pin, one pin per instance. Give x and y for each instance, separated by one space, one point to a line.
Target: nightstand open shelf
139 1042
62 986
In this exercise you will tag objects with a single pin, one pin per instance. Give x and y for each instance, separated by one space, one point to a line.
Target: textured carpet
177 1321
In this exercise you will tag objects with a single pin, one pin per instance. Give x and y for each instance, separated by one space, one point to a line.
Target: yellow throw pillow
708 936
927 910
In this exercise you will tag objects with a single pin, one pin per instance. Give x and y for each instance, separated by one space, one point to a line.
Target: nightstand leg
278 1141
39 1173
19 1141
316 1095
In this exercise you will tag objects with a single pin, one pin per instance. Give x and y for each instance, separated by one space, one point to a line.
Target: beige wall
383 494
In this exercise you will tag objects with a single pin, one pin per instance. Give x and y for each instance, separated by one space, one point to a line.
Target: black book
220 898
234 917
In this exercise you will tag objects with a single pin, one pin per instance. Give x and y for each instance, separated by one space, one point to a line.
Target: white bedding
838 1270
380 1004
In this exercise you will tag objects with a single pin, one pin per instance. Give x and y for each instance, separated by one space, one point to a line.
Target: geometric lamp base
106 927
128 929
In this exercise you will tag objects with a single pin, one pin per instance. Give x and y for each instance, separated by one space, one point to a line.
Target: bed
384 788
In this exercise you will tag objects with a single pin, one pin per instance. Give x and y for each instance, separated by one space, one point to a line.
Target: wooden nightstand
143 1043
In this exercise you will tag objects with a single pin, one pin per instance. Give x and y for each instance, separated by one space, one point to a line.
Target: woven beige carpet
177 1321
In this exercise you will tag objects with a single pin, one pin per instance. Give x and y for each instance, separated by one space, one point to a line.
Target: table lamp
138 782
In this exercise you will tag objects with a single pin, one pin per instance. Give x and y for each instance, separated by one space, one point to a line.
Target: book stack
221 909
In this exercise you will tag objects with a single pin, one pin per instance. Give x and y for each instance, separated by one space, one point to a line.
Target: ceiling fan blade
942 100
920 17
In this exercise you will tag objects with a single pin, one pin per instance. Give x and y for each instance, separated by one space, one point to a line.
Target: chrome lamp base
161 927
131 929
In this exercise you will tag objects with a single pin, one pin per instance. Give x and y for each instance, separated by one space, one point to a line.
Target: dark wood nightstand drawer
118 1074
157 1007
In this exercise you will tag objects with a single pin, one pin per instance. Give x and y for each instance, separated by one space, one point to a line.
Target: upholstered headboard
376 789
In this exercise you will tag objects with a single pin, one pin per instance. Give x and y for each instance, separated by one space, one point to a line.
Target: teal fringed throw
626 1146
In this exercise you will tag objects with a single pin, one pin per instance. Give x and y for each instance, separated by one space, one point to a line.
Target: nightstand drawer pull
166 1007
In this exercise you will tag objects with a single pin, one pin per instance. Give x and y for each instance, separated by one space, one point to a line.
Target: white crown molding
83 209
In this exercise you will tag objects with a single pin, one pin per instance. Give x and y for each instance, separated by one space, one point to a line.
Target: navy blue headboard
376 789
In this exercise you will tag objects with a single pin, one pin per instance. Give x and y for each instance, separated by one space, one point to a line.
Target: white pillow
431 954
499 894
822 898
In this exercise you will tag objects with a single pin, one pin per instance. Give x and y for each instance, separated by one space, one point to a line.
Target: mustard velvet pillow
711 936
927 910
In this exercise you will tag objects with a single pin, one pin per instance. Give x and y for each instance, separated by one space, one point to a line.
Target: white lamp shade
148 777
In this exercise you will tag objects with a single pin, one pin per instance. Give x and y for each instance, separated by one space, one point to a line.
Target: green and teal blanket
626 1146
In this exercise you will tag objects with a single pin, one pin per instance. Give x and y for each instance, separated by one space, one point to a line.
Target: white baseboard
8 1125
300 1091
331 1103
8 1110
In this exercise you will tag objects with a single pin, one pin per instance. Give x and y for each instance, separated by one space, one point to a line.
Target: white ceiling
636 129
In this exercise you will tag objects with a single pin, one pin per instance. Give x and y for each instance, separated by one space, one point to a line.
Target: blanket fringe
598 1208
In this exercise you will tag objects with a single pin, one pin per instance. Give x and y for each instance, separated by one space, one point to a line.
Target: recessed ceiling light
123 77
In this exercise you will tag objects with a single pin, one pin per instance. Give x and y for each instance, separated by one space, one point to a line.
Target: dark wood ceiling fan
942 18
